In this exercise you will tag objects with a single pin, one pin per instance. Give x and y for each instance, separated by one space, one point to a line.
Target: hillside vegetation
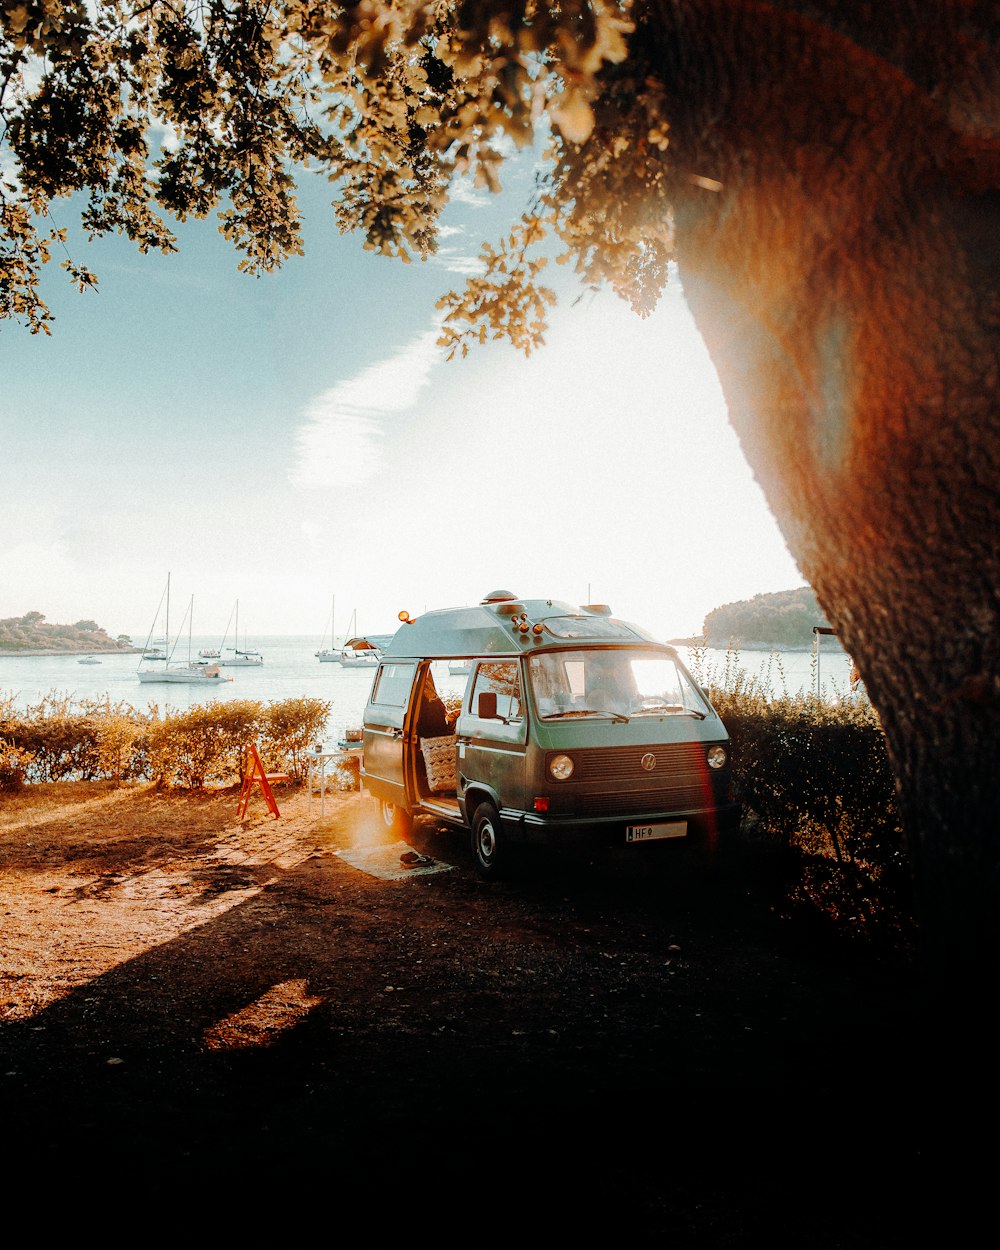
32 632
784 618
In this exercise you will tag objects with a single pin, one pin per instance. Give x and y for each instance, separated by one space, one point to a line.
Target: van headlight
716 757
560 768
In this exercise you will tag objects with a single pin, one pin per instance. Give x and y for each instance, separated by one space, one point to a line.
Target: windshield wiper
675 709
588 711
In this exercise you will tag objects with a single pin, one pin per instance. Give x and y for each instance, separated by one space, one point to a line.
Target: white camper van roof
503 624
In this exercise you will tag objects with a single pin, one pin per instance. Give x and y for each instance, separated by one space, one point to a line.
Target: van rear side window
393 684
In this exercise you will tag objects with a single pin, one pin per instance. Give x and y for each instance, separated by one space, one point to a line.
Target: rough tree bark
839 243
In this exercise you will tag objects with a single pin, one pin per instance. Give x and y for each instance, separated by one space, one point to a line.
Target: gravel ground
199 1015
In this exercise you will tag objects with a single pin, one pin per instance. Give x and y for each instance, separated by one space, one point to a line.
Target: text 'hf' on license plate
656 833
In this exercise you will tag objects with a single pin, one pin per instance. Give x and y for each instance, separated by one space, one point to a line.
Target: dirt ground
199 1014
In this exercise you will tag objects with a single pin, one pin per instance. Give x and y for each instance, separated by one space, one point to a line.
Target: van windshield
619 683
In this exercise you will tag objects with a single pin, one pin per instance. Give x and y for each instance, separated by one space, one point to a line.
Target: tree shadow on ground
584 1054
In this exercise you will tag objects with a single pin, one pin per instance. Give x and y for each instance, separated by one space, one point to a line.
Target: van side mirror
486 708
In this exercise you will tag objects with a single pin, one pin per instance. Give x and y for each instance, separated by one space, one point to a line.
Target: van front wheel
489 846
395 819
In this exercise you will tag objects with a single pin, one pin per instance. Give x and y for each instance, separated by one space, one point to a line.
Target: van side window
392 684
502 678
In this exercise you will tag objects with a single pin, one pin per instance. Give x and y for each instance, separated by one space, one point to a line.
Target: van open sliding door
384 738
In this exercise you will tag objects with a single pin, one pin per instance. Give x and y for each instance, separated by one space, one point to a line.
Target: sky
298 442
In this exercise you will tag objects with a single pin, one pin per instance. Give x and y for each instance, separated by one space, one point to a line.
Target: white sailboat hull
358 661
189 674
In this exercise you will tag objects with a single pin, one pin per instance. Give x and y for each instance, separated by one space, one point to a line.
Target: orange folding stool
256 776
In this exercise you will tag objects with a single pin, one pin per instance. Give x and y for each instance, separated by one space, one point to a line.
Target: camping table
318 761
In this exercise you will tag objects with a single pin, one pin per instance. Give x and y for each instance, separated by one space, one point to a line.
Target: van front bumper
540 829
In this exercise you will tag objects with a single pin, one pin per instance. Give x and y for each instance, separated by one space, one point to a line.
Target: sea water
291 670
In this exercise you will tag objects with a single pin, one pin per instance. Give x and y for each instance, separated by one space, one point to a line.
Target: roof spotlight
405 617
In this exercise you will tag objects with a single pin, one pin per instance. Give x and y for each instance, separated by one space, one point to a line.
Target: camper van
570 728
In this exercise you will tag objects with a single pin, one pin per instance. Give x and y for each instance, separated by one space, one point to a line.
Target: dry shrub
14 764
204 744
346 773
289 727
60 736
64 739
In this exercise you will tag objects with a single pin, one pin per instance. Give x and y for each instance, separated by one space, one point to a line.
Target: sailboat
241 658
330 654
357 652
190 672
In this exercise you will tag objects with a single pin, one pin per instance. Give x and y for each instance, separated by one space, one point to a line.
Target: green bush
813 779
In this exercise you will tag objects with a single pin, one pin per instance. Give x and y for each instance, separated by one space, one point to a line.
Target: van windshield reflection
623 683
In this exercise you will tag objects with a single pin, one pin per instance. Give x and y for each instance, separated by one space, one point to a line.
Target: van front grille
639 802
678 781
674 762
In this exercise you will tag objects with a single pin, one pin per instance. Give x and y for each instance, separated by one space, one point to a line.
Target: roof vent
499 596
598 609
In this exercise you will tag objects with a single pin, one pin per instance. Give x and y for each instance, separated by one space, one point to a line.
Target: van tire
395 819
490 849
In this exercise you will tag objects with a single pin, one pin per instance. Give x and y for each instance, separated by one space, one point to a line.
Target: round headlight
716 757
560 767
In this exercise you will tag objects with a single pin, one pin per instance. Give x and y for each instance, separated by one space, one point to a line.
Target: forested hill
785 618
32 632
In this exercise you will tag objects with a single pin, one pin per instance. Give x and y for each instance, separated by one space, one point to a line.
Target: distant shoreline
93 651
803 647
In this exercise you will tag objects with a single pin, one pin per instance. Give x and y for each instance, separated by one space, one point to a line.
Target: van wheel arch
394 818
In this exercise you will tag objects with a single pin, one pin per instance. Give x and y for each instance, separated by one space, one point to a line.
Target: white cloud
340 442
463 190
454 261
164 135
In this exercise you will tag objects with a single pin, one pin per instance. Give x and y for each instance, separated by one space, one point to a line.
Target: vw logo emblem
648 761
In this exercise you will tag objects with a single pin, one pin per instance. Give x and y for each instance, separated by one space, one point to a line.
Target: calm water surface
291 670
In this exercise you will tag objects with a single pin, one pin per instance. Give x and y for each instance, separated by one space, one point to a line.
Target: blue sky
291 438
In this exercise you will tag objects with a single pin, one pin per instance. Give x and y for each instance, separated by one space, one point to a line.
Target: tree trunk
839 244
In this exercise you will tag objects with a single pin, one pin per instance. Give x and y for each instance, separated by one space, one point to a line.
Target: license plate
656 833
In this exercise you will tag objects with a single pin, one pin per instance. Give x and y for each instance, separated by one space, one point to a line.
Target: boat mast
222 645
